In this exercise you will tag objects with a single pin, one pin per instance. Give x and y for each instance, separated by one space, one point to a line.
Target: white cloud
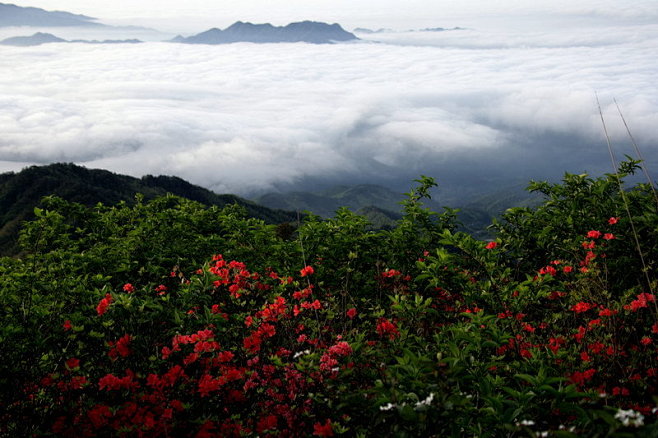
241 117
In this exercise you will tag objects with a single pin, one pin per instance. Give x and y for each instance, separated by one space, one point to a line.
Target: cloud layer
244 117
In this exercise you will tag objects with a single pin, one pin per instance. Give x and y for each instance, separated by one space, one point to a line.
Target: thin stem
624 199
639 154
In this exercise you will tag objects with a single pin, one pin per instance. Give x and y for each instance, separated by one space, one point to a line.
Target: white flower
426 402
387 407
630 417
301 353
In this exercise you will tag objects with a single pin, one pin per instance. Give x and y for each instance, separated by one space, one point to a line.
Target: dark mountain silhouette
44 38
34 40
21 192
305 31
12 15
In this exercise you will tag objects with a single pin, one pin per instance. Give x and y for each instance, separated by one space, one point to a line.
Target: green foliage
21 192
164 317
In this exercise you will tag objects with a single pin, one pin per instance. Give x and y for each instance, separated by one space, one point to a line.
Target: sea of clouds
461 105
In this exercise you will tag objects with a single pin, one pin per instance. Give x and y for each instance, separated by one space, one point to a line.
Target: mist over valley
479 105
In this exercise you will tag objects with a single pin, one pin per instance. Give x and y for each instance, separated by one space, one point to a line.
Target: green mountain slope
381 205
326 203
21 192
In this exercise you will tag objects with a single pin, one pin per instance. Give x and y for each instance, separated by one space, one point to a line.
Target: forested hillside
21 192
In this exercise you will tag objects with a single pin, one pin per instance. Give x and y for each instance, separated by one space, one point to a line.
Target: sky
182 16
511 95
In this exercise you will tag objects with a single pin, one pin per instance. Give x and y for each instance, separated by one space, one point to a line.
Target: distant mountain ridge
46 38
304 31
364 30
12 15
326 203
382 206
21 192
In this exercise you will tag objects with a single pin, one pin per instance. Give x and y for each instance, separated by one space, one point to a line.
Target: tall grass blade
624 198
639 154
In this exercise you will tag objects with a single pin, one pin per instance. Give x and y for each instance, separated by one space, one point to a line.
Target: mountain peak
303 31
12 15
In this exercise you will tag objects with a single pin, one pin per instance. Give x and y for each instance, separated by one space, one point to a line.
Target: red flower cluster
387 328
580 378
583 307
641 302
104 304
391 273
306 270
329 361
113 383
323 429
73 363
253 342
120 347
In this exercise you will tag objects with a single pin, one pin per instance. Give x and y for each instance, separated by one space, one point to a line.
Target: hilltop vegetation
166 318
21 192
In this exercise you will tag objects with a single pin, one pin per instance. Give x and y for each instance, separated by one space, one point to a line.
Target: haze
511 96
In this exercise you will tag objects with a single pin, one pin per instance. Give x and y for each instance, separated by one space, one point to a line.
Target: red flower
341 348
266 423
72 363
351 313
323 429
208 384
606 312
312 305
387 328
306 270
582 307
594 234
104 304
391 273
579 378
641 302
99 415
589 244
491 245
613 220
128 288
608 236
67 325
567 269
120 347
646 340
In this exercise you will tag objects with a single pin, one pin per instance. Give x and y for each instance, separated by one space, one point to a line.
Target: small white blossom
630 417
426 402
301 353
387 407
526 423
